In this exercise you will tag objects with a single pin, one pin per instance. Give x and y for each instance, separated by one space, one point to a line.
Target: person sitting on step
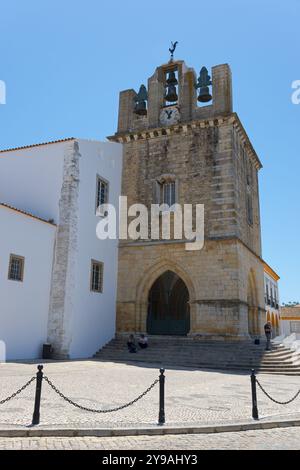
131 344
143 341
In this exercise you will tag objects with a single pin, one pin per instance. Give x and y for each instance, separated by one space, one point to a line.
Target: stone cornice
152 133
185 127
229 239
246 141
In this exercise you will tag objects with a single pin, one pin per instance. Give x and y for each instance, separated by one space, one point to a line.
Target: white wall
31 179
94 316
285 327
24 305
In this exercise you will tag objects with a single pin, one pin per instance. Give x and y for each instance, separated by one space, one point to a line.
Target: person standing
268 333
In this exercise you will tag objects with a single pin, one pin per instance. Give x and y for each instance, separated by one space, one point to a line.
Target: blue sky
64 63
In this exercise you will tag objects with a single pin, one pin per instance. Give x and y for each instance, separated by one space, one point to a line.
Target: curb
146 431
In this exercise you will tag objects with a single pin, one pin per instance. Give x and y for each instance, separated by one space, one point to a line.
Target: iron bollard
37 401
161 417
254 398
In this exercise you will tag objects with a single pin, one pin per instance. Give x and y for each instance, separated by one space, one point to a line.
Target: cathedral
182 143
178 142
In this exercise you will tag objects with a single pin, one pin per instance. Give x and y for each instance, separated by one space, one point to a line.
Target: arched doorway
168 306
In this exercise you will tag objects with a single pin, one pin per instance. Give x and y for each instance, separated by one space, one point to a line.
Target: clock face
169 116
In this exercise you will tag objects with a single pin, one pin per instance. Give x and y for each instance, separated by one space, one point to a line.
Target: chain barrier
273 399
18 391
38 389
84 408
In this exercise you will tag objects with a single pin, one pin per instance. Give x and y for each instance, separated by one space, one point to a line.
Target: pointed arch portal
168 306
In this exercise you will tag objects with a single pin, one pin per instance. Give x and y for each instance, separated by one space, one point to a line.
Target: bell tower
183 144
174 86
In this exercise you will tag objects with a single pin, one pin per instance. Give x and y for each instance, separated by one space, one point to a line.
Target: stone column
126 110
222 89
155 98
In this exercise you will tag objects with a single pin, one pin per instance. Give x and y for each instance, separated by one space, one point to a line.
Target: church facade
179 152
178 142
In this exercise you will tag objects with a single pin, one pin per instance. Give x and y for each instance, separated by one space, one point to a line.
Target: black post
37 401
161 417
254 398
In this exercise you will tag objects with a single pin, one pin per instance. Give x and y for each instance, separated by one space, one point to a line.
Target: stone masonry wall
201 161
212 161
218 300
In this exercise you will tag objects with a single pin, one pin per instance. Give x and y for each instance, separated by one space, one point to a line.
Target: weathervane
172 50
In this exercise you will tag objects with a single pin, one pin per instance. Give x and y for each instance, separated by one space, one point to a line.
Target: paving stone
280 439
193 397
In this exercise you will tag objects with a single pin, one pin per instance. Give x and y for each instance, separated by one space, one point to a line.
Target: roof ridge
21 211
37 145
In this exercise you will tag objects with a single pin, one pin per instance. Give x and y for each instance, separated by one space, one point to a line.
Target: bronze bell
140 108
204 95
204 83
140 101
171 93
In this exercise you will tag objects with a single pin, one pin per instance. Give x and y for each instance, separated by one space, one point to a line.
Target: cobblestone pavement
278 439
192 396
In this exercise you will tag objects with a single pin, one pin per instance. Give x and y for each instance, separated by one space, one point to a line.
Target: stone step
200 354
202 346
199 347
196 363
187 352
229 367
122 344
188 360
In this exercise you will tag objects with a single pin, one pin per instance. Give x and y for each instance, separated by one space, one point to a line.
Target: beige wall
217 278
211 159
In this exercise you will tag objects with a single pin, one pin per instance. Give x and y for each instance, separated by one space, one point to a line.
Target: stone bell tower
184 144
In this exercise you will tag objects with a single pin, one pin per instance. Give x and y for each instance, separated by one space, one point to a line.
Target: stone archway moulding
146 282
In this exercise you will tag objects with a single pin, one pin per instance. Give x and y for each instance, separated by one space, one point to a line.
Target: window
96 276
165 190
16 268
168 193
101 192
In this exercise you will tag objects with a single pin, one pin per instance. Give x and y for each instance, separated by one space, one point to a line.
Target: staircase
188 352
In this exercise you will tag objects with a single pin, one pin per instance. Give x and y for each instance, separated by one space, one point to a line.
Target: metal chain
276 401
84 408
18 391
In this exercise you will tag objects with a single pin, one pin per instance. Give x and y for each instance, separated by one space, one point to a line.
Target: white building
57 279
290 320
26 254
